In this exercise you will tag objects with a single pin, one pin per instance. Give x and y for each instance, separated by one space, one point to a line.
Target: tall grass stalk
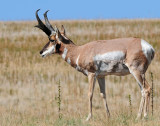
130 103
152 92
59 100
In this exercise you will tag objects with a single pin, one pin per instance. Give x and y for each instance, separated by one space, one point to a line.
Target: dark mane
66 40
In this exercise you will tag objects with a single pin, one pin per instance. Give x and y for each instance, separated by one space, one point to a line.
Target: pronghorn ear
63 30
59 37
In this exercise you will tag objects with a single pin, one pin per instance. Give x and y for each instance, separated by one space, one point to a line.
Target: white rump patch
110 56
147 50
49 51
64 53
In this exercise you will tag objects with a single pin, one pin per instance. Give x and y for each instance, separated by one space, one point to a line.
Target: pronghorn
97 59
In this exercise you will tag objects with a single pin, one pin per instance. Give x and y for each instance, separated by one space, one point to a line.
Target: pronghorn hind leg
101 82
92 81
147 90
141 108
138 76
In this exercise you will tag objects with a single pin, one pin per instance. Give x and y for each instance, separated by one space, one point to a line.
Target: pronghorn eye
51 40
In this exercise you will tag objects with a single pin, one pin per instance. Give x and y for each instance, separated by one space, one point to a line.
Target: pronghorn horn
41 25
49 26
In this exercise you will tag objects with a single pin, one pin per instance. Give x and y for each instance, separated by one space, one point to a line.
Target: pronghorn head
55 37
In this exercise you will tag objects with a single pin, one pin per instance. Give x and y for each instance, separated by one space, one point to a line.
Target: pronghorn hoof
145 118
89 117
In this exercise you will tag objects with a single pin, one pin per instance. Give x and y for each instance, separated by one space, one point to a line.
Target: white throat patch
64 53
68 61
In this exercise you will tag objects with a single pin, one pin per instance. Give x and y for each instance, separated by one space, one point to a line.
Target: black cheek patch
58 47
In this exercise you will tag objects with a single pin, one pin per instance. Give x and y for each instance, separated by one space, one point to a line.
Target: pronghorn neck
71 55
67 52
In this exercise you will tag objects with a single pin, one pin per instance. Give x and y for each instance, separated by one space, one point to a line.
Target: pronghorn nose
41 52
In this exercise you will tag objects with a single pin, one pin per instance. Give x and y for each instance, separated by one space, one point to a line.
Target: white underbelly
112 68
111 63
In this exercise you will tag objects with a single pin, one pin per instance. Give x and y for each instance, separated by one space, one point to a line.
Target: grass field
29 83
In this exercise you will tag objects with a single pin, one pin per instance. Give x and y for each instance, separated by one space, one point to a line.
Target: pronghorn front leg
92 81
101 82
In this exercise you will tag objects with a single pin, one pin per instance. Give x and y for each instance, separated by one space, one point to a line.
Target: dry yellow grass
28 83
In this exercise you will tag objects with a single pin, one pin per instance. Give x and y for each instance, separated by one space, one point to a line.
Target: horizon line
96 19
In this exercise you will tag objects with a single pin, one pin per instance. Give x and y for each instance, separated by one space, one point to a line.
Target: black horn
49 26
41 25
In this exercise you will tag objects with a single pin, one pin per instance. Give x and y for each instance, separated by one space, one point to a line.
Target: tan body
131 47
100 58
